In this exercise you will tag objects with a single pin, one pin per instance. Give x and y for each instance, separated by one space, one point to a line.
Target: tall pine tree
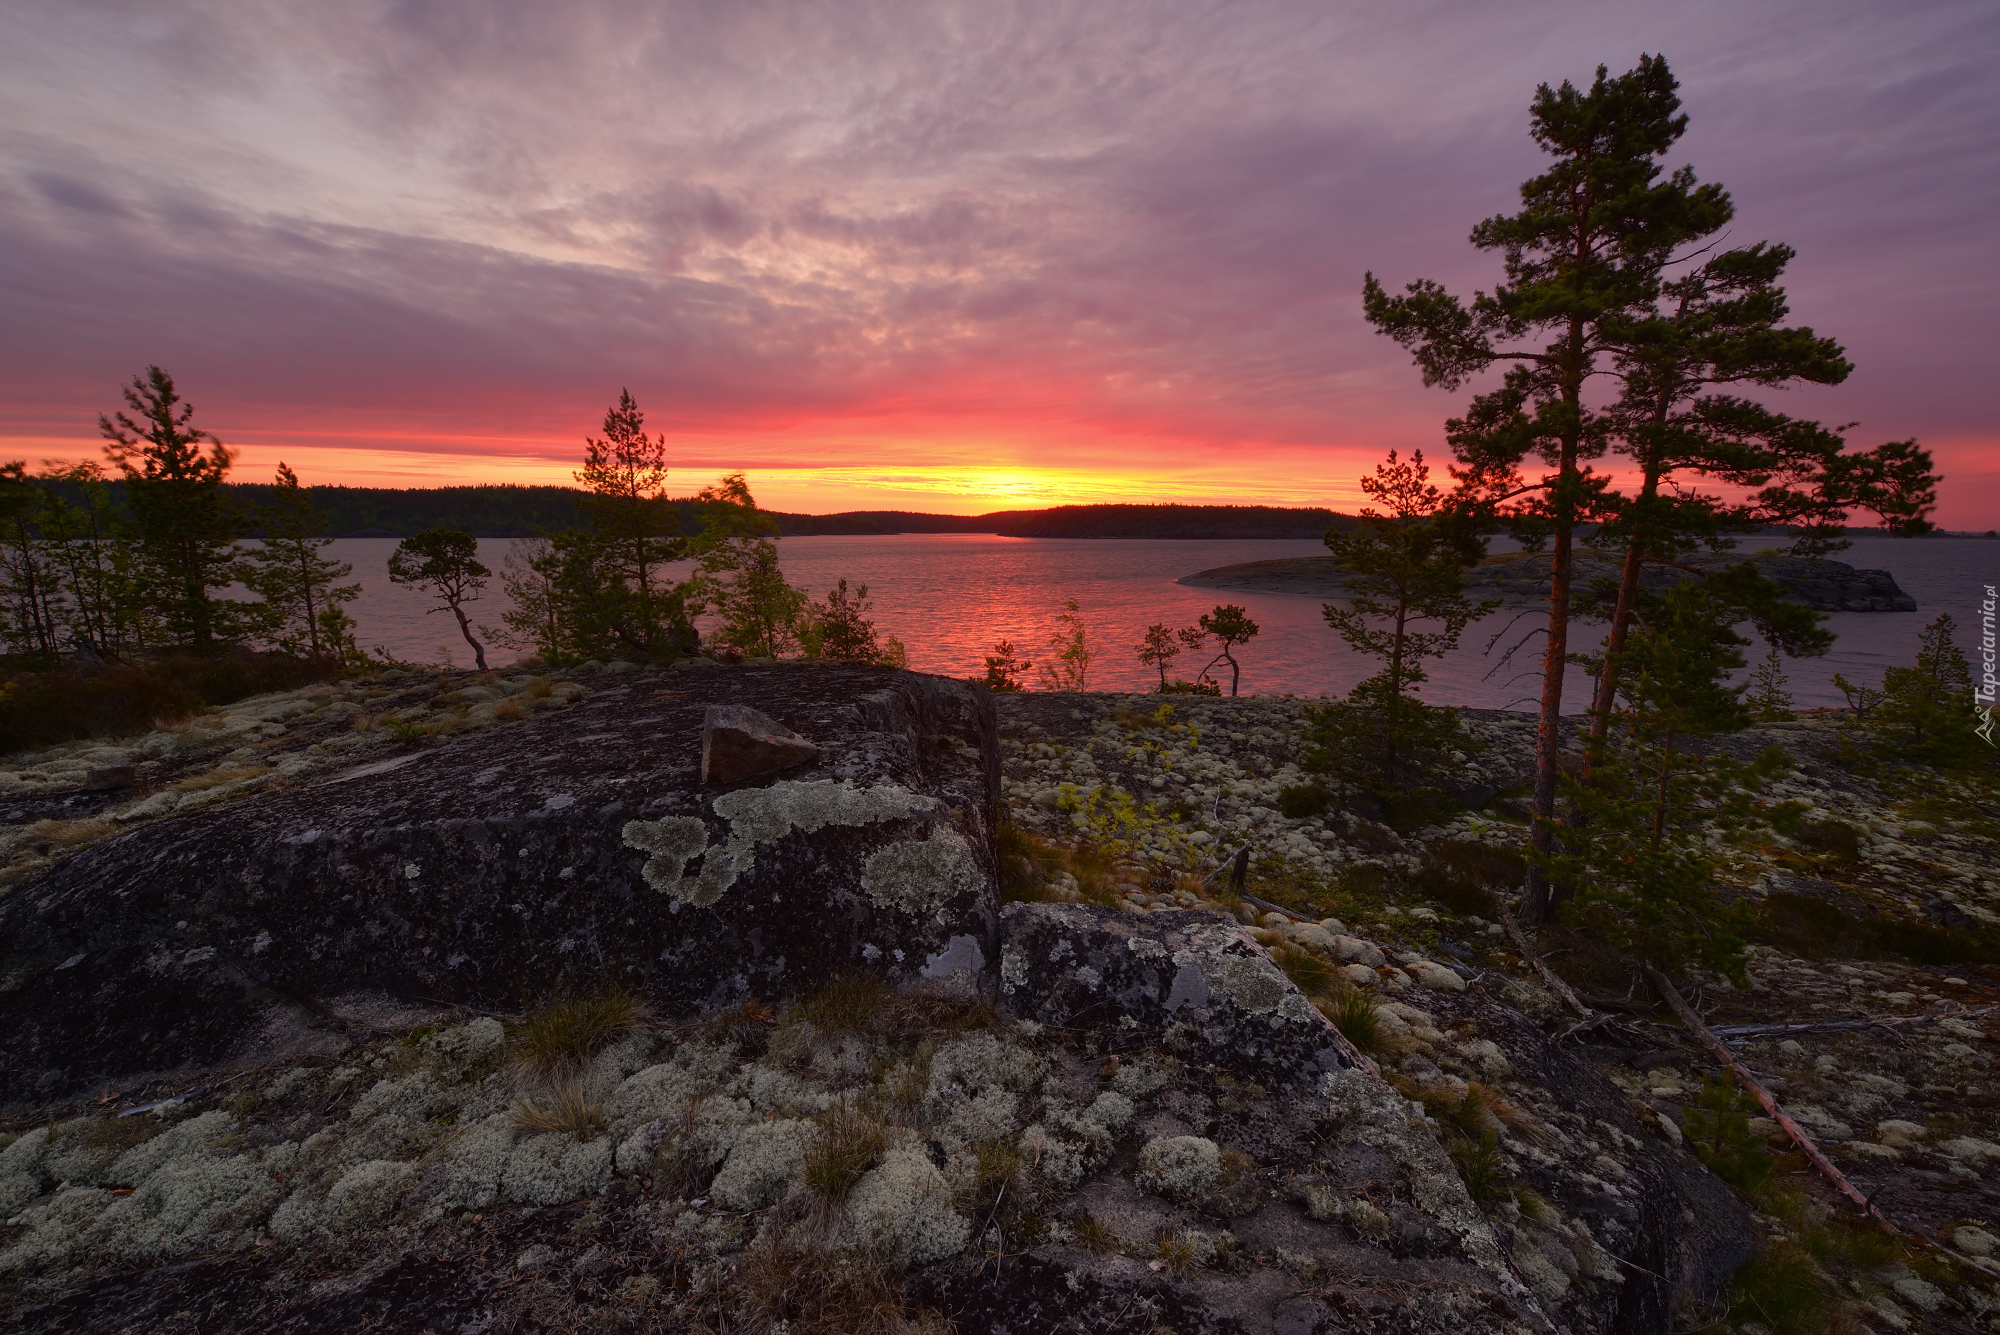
1582 257
187 525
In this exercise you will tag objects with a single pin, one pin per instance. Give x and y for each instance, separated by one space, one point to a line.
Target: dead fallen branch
1770 1105
1548 975
1846 1026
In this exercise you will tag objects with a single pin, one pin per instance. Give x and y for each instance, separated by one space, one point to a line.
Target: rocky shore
1079 1083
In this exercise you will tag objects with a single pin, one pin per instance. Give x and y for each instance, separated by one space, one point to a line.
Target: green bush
1468 877
1303 800
1717 1127
1816 930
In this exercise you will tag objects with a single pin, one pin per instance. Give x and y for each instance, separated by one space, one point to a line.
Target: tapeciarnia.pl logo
1983 693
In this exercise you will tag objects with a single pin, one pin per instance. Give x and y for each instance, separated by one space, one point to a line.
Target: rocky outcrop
1523 580
568 851
1186 977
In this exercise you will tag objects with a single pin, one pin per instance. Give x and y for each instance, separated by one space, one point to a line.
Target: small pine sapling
1767 698
1157 649
446 563
1929 706
1005 668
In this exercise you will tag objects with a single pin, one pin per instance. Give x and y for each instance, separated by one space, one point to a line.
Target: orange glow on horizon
943 469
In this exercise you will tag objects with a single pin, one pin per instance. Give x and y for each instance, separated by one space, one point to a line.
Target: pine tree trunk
1614 646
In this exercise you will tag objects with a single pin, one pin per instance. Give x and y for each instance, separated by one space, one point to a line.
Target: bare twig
1548 975
1843 1026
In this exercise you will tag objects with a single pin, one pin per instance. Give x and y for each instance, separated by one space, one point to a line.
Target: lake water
948 597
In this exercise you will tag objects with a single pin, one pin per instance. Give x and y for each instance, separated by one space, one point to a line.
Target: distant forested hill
508 511
1088 521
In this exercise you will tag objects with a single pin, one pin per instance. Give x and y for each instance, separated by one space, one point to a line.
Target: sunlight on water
950 596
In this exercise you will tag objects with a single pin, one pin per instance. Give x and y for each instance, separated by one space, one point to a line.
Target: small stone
534 1258
1974 1241
1431 974
1919 1293
739 743
109 778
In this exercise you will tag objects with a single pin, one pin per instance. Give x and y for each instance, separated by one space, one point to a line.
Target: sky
925 256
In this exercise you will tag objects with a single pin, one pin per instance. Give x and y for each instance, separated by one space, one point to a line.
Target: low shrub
1784 1291
70 702
1467 877
1814 929
1303 800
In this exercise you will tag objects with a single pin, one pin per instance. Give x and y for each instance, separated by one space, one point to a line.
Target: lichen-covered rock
570 850
1190 976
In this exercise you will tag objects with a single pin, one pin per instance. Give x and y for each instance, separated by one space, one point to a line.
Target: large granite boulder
570 852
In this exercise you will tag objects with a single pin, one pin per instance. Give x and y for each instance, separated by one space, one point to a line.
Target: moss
1182 1168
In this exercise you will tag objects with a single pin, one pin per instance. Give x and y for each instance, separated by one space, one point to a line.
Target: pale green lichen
917 876
555 1168
766 1158
1182 1168
756 815
1254 984
904 1207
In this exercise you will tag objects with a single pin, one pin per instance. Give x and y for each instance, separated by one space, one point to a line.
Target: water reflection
950 596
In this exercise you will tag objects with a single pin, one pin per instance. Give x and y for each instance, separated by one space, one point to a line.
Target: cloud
1128 223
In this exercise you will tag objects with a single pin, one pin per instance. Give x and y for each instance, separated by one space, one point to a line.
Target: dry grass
805 1287
851 1140
1174 1247
538 688
509 709
745 1025
220 777
1091 1232
1356 1015
558 1040
51 836
570 1107
367 722
860 1003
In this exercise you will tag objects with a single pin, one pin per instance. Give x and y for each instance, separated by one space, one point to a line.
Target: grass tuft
802 1285
1356 1015
850 1142
568 1106
559 1039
